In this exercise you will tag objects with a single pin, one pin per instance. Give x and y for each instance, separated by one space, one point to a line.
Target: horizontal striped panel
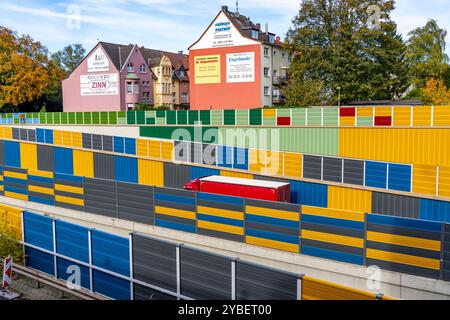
16 195
16 175
328 237
265 212
69 200
403 259
70 189
221 213
41 190
225 228
42 174
314 289
272 244
404 241
332 213
404 245
175 212
175 223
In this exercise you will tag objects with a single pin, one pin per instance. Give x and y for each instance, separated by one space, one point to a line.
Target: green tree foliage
335 43
28 78
426 53
69 58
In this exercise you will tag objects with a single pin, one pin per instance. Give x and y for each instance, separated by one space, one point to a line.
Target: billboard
207 69
99 85
241 67
98 61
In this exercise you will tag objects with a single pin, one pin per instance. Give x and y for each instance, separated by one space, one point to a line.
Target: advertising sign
221 34
98 61
207 69
241 67
99 85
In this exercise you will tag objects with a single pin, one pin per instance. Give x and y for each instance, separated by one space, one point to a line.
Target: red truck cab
245 188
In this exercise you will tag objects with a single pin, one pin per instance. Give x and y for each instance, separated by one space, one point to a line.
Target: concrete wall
393 284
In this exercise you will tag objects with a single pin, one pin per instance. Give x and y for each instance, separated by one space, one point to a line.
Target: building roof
119 53
245 182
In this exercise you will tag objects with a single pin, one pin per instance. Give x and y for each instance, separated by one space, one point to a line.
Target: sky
171 25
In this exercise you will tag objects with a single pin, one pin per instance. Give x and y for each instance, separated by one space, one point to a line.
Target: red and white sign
99 85
7 271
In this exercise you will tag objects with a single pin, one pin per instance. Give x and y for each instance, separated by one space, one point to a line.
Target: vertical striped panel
142 148
111 252
155 149
126 169
273 225
77 140
310 194
12 154
167 150
333 234
28 156
399 177
63 160
446 257
151 173
444 182
220 216
404 245
38 230
441 116
424 179
83 163
349 199
434 210
175 209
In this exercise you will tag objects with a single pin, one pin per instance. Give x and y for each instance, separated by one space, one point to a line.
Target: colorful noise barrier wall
398 116
421 179
141 267
394 243
47 163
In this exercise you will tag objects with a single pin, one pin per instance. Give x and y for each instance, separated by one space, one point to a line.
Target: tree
338 46
426 53
9 246
69 58
23 69
435 92
304 93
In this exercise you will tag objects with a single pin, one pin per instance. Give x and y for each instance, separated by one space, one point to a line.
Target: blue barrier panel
119 145
309 194
400 177
126 169
199 172
72 240
38 230
110 286
111 252
63 160
435 210
12 154
39 260
376 174
130 146
67 268
240 158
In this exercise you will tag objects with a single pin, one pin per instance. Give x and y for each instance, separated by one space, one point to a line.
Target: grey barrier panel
23 134
209 154
196 153
354 172
142 293
135 203
16 133
446 255
155 262
205 276
264 178
2 152
104 167
45 158
395 205
332 169
97 142
181 151
100 197
107 143
87 140
31 135
312 167
255 282
176 176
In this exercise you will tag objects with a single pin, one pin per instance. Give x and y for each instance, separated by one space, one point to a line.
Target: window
130 67
174 97
143 68
275 73
271 38
136 88
184 98
129 87
284 55
266 91
266 52
255 34
266 72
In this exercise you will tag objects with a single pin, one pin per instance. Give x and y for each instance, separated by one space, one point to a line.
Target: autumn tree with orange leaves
26 72
435 92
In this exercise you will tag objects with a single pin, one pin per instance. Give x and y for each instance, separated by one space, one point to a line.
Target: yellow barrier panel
13 217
